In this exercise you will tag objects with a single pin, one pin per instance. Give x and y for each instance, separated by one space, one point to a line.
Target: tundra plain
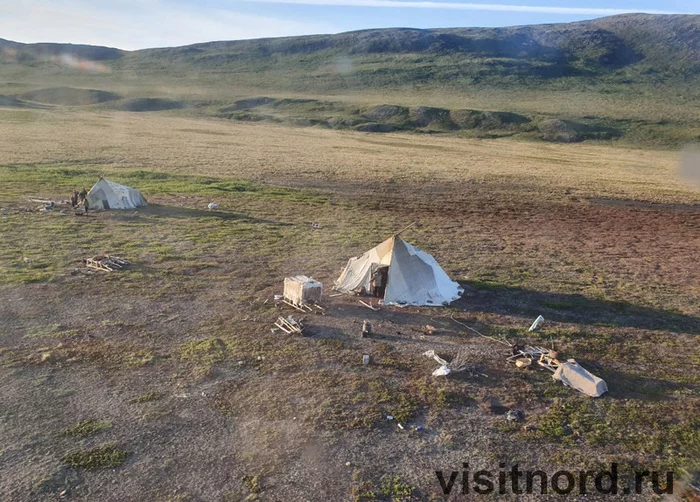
164 382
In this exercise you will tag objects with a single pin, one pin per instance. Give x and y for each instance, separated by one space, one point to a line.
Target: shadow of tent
187 212
626 386
576 308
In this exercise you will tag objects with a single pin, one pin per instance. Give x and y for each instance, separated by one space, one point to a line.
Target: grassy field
630 79
164 382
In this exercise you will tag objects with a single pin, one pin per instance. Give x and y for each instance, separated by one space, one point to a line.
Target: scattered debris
570 372
458 364
212 205
461 363
278 297
523 362
365 360
443 370
400 426
515 416
537 323
289 325
429 330
376 309
366 329
524 355
301 308
549 360
39 200
106 262
315 226
27 260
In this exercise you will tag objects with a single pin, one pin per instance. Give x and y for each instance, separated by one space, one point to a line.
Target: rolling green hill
633 75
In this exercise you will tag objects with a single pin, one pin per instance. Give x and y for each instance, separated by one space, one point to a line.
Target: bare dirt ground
174 365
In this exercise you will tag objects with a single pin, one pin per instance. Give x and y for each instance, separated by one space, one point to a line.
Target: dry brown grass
319 157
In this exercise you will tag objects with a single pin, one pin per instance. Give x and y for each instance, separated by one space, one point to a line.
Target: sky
138 24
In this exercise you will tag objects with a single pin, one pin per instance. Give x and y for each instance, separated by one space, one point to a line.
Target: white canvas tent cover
106 194
577 377
415 278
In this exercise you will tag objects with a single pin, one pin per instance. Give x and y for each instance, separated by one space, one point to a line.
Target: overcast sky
136 24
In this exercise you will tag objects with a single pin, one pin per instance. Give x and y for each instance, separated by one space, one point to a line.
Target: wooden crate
302 290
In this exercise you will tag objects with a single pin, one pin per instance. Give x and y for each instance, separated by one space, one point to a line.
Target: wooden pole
480 334
404 229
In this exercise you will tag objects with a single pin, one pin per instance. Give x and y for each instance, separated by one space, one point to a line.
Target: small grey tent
106 194
408 276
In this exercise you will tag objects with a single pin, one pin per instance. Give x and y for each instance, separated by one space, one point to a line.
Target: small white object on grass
212 205
537 323
442 371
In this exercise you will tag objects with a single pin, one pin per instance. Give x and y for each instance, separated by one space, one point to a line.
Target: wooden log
369 306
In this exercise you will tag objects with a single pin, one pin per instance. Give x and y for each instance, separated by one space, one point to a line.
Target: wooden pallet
107 263
289 325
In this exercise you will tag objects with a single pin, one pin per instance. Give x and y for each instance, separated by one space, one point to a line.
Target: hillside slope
629 49
634 77
636 48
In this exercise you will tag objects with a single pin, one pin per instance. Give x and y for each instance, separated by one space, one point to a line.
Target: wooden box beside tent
301 290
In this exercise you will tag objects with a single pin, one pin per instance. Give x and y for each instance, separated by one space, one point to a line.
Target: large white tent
106 194
414 277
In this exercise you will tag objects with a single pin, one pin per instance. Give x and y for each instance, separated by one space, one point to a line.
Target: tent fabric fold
414 278
106 194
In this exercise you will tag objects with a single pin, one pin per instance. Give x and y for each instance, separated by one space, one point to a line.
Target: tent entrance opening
379 279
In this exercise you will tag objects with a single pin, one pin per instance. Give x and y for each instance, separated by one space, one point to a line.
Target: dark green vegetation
101 457
86 428
390 118
629 77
